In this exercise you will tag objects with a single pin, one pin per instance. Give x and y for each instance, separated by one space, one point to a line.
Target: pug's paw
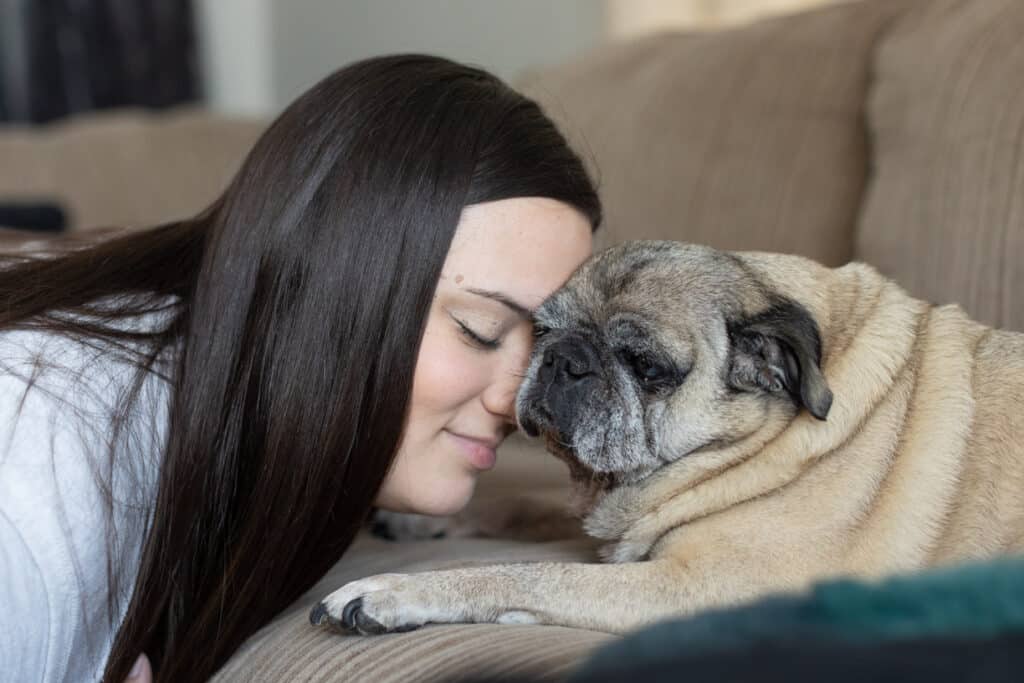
387 603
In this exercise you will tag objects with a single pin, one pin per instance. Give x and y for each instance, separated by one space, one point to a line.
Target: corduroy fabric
289 649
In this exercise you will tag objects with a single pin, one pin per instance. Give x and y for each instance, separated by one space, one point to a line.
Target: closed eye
649 372
642 366
477 339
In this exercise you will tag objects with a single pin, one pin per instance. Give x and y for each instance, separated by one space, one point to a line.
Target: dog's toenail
318 614
349 614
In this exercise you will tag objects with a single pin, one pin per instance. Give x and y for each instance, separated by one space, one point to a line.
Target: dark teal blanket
949 621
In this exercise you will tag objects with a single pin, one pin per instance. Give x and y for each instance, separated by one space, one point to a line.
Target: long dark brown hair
297 304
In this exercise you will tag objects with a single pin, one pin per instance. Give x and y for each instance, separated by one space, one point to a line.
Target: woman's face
506 257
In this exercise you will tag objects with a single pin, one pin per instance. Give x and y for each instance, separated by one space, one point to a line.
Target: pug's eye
644 368
647 370
540 330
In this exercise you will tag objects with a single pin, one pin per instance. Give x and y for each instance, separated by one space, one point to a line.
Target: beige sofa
890 131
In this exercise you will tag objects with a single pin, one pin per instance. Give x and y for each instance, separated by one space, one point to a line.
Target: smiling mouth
483 441
481 453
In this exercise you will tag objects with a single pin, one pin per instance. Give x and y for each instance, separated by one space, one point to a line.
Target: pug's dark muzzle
568 372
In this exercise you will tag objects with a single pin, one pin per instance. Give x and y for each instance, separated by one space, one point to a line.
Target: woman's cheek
447 373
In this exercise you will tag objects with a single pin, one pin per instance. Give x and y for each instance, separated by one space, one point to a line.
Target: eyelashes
476 339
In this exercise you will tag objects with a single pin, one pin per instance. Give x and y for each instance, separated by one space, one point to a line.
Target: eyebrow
516 307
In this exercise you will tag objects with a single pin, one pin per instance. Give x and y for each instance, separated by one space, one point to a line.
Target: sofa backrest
944 212
750 138
125 168
889 131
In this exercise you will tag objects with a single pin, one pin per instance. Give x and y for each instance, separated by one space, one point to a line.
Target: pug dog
737 424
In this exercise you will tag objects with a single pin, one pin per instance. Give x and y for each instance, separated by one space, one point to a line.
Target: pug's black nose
569 360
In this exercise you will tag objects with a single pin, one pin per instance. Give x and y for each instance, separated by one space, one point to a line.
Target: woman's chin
458 495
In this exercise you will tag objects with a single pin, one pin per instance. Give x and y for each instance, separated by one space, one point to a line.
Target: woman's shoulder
25 621
69 405
50 384
51 514
67 479
84 372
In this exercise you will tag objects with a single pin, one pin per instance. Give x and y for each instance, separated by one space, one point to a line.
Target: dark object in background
954 623
61 57
983 660
36 216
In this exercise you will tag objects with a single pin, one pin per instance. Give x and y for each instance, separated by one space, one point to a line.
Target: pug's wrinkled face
656 350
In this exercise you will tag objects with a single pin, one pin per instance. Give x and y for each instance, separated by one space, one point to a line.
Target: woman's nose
499 397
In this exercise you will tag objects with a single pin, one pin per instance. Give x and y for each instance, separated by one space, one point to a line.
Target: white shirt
55 623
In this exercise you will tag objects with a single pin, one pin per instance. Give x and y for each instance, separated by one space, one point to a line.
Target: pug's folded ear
779 350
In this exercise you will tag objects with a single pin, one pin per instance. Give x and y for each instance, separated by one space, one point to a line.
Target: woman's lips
481 453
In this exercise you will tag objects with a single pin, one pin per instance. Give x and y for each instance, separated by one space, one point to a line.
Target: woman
343 328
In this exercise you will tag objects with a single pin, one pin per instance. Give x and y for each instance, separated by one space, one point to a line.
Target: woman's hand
141 671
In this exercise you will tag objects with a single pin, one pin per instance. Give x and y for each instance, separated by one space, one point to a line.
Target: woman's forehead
523 248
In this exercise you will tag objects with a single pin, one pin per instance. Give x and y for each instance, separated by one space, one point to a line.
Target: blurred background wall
257 55
281 48
629 18
252 57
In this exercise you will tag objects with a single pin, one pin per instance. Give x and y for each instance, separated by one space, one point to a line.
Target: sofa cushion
944 213
289 649
750 138
126 167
